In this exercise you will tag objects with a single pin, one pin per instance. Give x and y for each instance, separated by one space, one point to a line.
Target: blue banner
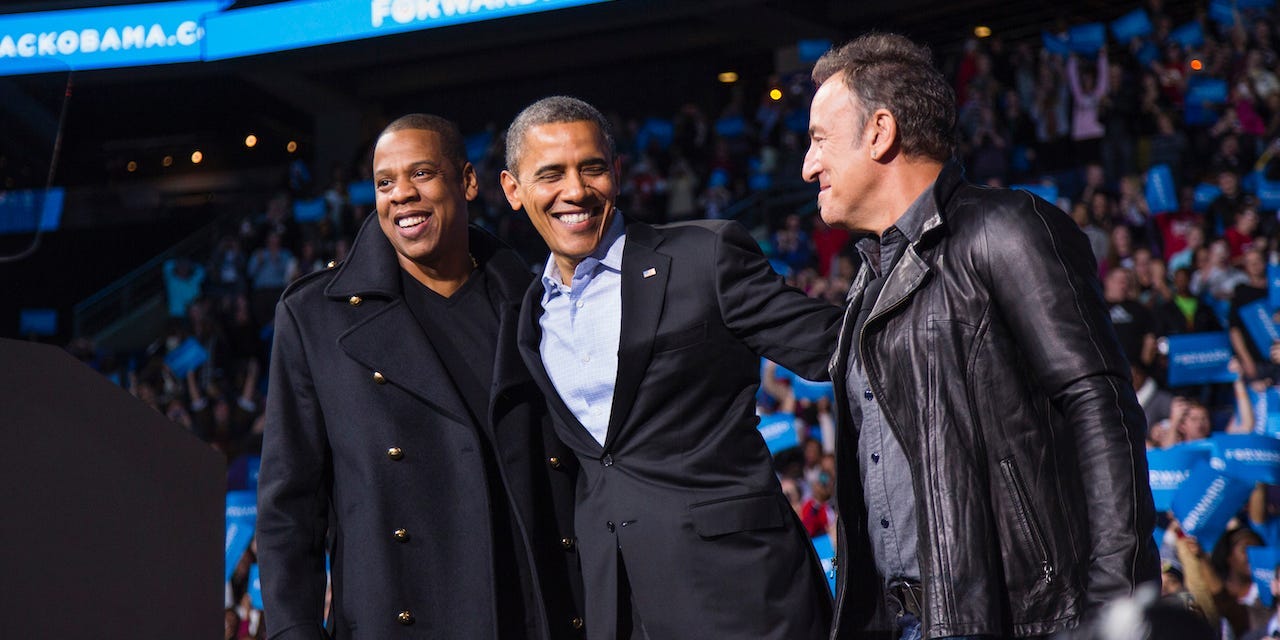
1199 358
1147 54
255 587
779 431
21 211
185 357
813 391
1268 192
1262 566
1168 468
1189 35
1162 195
1249 457
242 473
1203 95
1205 195
827 555
1259 320
1255 4
477 145
1206 501
360 192
1221 12
731 126
1054 44
312 210
659 130
810 50
1266 410
242 515
1087 39
1047 192
37 322
102 37
1273 285
1134 24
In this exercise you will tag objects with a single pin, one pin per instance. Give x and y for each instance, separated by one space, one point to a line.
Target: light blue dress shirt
581 323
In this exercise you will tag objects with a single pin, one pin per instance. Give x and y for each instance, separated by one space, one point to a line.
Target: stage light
250 140
167 161
291 147
1196 65
775 94
728 77
131 167
196 157
982 31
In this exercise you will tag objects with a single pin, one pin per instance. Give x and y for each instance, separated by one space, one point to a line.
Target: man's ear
511 188
883 129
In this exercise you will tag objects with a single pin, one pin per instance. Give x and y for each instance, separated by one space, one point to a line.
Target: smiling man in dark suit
405 437
647 342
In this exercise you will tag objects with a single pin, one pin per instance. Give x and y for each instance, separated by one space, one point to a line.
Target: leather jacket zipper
1032 526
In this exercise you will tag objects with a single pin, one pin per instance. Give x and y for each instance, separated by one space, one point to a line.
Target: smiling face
421 197
839 157
566 181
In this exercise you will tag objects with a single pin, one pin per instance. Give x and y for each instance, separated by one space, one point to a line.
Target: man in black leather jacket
992 479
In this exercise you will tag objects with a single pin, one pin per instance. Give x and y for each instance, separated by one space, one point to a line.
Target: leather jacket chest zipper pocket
1026 517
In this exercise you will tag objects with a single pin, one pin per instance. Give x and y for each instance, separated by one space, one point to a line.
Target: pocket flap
740 513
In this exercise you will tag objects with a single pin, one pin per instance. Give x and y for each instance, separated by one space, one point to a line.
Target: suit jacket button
405 618
401 535
607 460
379 378
355 300
609 525
554 462
576 622
395 453
567 543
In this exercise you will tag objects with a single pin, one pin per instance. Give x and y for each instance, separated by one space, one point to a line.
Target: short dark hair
451 142
551 110
889 71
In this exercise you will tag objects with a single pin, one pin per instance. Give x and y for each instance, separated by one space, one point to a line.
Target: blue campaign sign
21 211
1087 39
306 23
810 50
1055 45
312 210
103 37
185 357
1134 24
659 130
1221 12
779 431
242 515
1147 54
731 126
37 322
1199 358
1262 566
1168 468
255 587
1266 410
1206 501
1189 35
812 391
1255 4
827 555
1205 195
1162 195
477 144
1258 321
360 192
1273 285
1047 192
1249 457
242 473
1203 94
1268 191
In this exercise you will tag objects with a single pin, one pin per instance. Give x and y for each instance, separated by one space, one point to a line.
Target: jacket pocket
1027 521
680 338
748 512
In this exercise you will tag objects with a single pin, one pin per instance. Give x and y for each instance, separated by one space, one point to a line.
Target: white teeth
574 218
411 221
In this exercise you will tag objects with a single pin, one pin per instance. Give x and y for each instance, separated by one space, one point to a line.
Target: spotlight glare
250 140
167 161
1196 65
775 94
131 167
982 31
728 77
291 147
196 157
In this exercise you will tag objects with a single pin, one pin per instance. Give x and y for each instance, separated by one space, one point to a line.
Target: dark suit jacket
370 455
684 489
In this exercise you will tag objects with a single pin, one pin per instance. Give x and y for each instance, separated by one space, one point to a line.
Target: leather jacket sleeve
1042 277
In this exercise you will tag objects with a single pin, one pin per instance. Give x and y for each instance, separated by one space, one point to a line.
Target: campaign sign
1268 192
1205 195
312 210
1221 12
1255 4
1273 285
1162 196
255 587
1134 24
1047 192
809 390
731 126
242 514
659 130
1189 35
1054 44
1206 501
1199 358
1087 38
1266 410
1168 468
1147 54
37 322
21 211
361 192
186 357
827 555
810 50
1257 319
1203 93
1262 566
779 431
1246 456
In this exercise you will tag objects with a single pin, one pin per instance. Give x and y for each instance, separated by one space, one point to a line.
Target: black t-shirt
1132 322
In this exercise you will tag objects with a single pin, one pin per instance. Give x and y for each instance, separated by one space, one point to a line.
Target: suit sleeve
775 320
1040 272
293 492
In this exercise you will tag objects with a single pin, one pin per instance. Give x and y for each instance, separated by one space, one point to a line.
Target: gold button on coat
577 623
395 453
379 378
401 535
332 264
554 462
567 543
405 618
355 300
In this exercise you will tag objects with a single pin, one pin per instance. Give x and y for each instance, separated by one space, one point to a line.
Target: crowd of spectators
1089 127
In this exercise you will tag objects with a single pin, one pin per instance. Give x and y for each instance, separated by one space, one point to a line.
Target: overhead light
1196 65
167 161
131 167
775 94
291 147
196 157
728 77
250 140
982 31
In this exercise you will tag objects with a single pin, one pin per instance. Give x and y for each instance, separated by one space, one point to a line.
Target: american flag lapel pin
650 272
